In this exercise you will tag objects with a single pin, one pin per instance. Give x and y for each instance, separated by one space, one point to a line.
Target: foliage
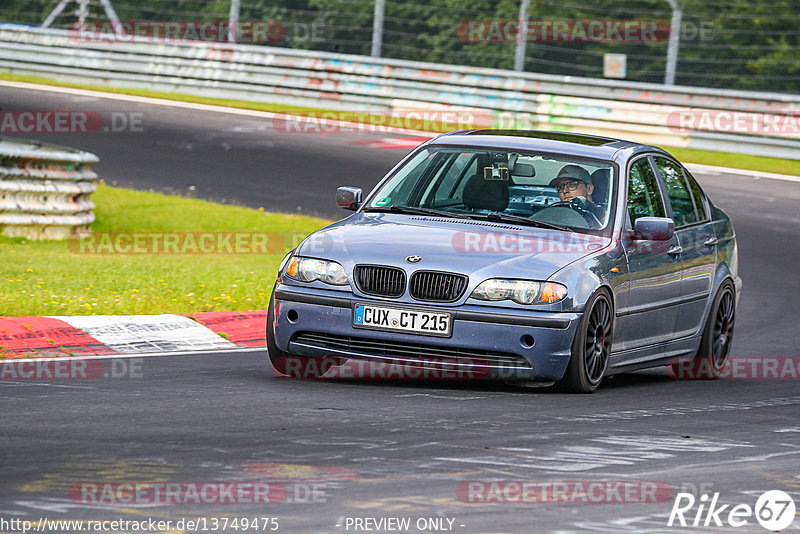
738 44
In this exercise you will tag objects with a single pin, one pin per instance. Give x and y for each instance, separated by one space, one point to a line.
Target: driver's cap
572 172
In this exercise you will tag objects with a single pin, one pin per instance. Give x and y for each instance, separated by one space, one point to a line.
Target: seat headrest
601 178
483 194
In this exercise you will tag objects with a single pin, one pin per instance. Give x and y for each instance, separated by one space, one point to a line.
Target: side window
644 197
698 195
683 210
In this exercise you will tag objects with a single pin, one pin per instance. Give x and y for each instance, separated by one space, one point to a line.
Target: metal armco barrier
44 189
765 124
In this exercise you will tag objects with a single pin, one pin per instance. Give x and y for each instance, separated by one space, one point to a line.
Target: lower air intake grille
380 281
436 286
418 352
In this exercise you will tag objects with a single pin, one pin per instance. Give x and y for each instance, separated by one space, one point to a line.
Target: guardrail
766 124
44 189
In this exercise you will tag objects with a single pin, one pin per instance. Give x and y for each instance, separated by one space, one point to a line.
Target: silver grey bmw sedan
539 258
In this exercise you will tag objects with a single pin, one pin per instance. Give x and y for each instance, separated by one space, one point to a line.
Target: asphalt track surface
394 449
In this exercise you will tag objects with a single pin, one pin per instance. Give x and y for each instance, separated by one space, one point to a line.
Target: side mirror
654 228
348 198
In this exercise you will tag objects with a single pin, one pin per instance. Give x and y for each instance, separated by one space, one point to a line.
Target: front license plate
402 320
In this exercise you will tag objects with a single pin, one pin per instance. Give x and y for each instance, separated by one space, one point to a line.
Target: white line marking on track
194 106
135 355
33 383
756 175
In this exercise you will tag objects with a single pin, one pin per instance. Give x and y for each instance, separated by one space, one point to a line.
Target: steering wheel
590 217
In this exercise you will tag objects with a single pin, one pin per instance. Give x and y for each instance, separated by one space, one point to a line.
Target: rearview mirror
654 228
348 198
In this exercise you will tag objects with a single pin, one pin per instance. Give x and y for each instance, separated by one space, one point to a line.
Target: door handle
711 241
674 250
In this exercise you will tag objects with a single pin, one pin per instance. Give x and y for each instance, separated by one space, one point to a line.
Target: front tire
591 347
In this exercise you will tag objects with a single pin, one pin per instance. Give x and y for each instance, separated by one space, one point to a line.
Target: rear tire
591 347
715 346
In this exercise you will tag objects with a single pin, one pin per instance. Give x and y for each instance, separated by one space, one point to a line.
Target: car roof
590 146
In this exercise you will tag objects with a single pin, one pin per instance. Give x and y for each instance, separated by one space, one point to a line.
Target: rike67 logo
774 510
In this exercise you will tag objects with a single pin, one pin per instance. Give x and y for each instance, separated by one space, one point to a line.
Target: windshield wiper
507 217
496 216
412 210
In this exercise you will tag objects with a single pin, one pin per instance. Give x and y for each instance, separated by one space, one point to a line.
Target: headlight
310 269
520 291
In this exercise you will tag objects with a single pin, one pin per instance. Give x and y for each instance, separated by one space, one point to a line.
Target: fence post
233 19
83 12
377 28
522 37
674 42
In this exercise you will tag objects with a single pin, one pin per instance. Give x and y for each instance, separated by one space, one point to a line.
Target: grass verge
55 278
736 161
686 155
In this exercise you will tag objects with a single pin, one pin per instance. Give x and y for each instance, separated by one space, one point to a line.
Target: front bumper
493 342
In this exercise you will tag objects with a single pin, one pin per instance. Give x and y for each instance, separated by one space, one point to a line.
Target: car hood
475 248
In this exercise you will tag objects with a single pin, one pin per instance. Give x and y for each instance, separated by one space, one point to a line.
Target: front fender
585 276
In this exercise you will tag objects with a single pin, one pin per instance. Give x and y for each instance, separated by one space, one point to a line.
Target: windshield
519 187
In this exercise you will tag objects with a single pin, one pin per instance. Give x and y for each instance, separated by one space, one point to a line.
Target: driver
574 185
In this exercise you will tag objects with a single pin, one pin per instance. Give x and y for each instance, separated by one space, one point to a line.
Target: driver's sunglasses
572 185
